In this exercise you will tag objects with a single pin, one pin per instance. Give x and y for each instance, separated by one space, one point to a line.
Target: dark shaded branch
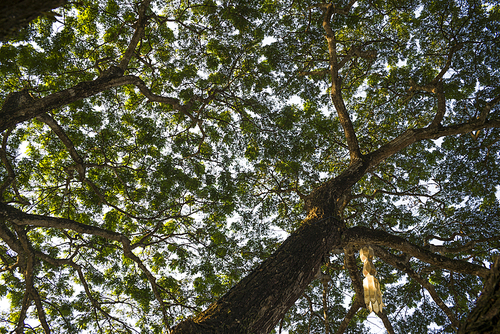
387 324
315 72
11 176
8 237
357 283
359 236
446 67
485 317
441 105
356 305
15 15
485 112
352 268
20 218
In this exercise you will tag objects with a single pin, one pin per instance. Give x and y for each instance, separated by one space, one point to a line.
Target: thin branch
485 112
59 131
405 267
152 280
356 305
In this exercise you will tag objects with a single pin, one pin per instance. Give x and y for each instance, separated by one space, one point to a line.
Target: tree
151 151
16 14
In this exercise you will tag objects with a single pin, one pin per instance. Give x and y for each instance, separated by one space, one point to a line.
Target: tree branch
405 267
11 176
356 305
17 110
59 131
382 315
358 236
484 317
336 89
412 135
139 32
20 218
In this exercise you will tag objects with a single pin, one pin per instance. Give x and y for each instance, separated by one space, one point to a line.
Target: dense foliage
155 152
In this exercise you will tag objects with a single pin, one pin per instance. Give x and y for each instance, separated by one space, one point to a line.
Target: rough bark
485 317
17 14
260 300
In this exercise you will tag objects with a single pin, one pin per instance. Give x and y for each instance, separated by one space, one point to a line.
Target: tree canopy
200 166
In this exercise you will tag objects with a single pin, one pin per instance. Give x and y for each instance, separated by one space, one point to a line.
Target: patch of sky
268 40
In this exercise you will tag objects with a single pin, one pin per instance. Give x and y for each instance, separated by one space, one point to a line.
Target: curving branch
359 236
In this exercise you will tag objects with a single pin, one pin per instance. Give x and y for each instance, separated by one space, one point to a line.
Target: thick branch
16 110
11 176
412 135
258 302
20 218
359 236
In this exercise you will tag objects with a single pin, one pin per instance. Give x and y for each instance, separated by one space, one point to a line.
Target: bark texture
485 317
260 300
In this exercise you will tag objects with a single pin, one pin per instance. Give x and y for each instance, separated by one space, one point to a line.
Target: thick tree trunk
485 317
257 303
260 300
